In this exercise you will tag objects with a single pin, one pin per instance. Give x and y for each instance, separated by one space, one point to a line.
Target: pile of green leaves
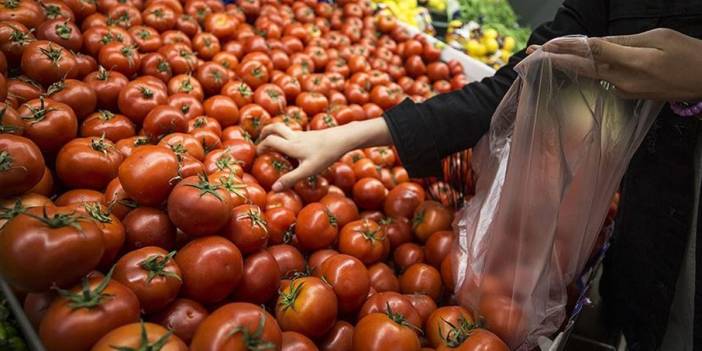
495 14
10 338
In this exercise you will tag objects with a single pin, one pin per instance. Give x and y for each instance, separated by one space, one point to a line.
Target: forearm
372 132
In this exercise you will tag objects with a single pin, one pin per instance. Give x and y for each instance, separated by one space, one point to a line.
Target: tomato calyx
95 211
400 319
87 297
58 220
8 213
63 30
287 300
186 85
244 90
144 341
11 4
329 121
51 11
257 72
457 334
227 163
37 114
417 219
105 115
19 37
228 182
332 219
163 66
141 140
156 267
256 219
216 75
129 52
280 166
146 92
143 34
55 87
254 341
52 53
206 187
158 13
99 145
103 74
7 128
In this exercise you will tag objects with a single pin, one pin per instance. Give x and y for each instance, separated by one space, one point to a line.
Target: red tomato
253 118
383 278
62 32
369 193
438 247
223 109
293 341
66 246
382 302
349 279
503 316
341 207
289 259
237 326
199 207
404 199
424 305
422 279
429 218
145 226
307 306
75 94
147 175
280 224
247 228
22 165
316 227
408 254
151 274
49 124
365 240
182 316
339 338
138 336
440 322
312 189
287 199
253 73
47 62
475 339
186 84
107 86
212 76
271 97
268 167
79 196
212 268
138 98
261 278
82 156
121 58
377 330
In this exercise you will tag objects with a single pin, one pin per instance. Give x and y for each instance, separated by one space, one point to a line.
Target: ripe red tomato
138 336
121 58
290 260
185 83
312 103
48 123
381 302
70 321
212 76
199 207
58 237
21 165
475 339
151 274
503 316
148 40
312 189
253 73
47 62
377 330
79 196
408 254
349 279
267 168
147 175
424 305
369 193
307 306
182 316
261 278
341 207
316 227
365 240
247 228
364 168
145 226
382 278
271 97
138 98
184 145
404 199
293 341
75 94
95 156
113 231
438 247
439 323
212 268
287 199
253 118
107 86
339 338
237 326
421 278
280 224
62 32
429 218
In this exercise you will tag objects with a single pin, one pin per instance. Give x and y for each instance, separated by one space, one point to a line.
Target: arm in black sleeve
424 133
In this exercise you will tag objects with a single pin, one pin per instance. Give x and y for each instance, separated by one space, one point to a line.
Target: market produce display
136 213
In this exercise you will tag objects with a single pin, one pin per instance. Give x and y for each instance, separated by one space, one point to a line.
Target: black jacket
642 266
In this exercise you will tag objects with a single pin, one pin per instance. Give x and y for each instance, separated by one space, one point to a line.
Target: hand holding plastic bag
558 146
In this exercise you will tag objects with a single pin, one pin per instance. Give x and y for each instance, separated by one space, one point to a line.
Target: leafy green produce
10 339
495 14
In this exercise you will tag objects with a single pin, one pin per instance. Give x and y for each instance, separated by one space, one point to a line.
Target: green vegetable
10 339
495 14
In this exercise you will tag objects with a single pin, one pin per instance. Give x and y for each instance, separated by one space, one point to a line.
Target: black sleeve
424 133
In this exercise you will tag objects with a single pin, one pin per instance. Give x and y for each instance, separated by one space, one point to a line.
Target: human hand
317 149
659 64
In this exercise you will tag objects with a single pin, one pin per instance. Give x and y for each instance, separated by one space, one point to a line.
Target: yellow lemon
490 33
491 45
508 44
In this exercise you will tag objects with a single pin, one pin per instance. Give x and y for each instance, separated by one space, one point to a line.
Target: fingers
576 64
289 179
279 129
274 143
532 48
577 46
654 38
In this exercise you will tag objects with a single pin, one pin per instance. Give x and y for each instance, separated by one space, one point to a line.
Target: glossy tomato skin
146 226
503 316
67 328
349 279
269 167
139 97
79 196
113 232
212 268
247 228
280 224
479 339
151 274
365 240
439 322
312 188
316 227
88 163
107 86
307 306
369 193
429 218
287 199
408 254
183 316
438 247
343 208
215 332
422 279
293 341
382 278
339 338
130 336
398 230
114 127
75 94
398 303
24 166
289 259
199 207
404 199
147 175
49 124
261 278
38 62
376 330
65 248
424 305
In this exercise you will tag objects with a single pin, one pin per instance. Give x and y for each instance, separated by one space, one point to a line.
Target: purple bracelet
686 109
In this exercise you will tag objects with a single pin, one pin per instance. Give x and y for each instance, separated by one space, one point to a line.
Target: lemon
508 44
505 56
475 48
490 33
491 45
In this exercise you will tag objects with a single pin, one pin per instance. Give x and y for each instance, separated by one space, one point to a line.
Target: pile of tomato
136 214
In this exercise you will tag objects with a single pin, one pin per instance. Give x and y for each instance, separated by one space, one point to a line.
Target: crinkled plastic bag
557 148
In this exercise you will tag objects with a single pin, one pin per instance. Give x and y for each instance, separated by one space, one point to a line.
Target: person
657 227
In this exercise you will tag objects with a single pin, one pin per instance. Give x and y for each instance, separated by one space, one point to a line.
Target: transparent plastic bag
557 148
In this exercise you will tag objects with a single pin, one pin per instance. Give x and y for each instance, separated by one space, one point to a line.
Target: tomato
179 56
49 124
253 73
79 196
95 156
163 120
503 316
182 316
408 254
271 97
474 339
201 122
45 186
124 15
339 338
381 302
127 146
293 341
147 174
161 17
140 336
212 268
289 259
155 65
377 330
269 167
25 12
312 189
107 86
238 91
212 77
14 38
94 20
187 24
438 247
118 200
322 121
75 94
21 165
151 274
36 304
316 227
307 306
113 231
356 94
247 228
438 71
138 98
185 84
312 103
47 62
440 322
253 117
81 8
70 322
62 32
422 279
146 226
287 199
349 279
403 200
342 176
369 193
365 240
261 278
20 90
430 217
341 207
458 81
237 326
424 305
184 145
199 207
280 224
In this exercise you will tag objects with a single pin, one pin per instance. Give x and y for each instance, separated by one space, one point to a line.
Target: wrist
368 133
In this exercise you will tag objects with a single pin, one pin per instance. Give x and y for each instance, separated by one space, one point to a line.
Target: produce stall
137 214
